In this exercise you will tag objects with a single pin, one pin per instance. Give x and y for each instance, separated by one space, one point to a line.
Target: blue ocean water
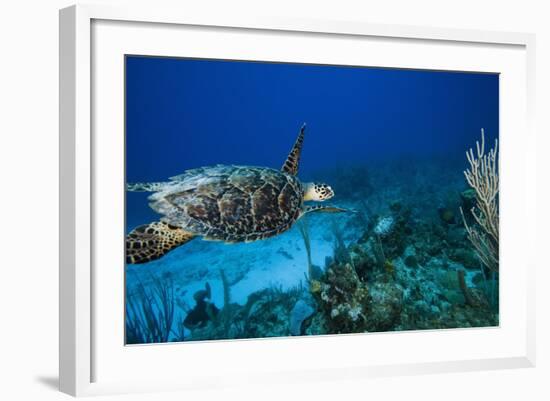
391 142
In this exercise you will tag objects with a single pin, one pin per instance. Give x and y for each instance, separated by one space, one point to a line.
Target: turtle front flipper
327 208
151 241
293 159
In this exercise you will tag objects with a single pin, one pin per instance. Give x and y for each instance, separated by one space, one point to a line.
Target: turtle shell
231 203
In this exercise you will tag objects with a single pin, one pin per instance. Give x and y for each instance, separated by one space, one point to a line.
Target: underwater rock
300 312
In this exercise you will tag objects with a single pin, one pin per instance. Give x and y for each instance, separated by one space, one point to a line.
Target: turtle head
315 191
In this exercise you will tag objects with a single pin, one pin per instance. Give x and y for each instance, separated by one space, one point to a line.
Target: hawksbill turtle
225 203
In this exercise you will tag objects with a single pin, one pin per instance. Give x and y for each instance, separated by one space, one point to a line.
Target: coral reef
150 312
386 305
350 304
268 313
482 176
344 299
405 261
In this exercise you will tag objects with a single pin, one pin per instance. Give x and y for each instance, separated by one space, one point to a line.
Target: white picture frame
82 344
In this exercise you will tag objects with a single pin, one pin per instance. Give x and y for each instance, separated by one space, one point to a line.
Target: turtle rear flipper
151 241
146 186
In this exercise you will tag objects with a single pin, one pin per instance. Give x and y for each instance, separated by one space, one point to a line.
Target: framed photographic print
324 190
